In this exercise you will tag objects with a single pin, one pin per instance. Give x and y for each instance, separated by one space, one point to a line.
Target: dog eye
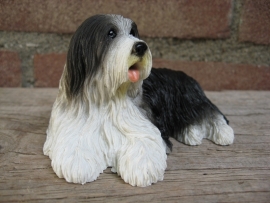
112 34
132 32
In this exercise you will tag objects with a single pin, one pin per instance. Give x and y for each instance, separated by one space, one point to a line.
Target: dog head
106 57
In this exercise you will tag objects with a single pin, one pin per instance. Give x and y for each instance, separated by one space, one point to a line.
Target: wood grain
205 173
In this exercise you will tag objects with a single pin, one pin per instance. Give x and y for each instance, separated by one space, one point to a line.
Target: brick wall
224 44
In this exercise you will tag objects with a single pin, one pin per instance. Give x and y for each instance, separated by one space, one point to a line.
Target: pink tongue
133 75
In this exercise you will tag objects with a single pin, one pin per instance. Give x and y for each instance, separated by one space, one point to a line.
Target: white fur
105 128
216 130
220 132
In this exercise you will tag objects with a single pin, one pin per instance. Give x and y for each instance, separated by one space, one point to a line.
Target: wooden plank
205 173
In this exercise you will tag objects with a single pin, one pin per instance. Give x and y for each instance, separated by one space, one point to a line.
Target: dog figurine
114 110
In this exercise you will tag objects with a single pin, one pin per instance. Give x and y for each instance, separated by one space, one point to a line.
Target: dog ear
75 68
86 50
134 30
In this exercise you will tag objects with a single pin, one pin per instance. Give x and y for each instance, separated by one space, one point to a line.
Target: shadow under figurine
114 110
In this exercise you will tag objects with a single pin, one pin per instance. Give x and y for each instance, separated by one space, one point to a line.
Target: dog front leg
142 161
76 150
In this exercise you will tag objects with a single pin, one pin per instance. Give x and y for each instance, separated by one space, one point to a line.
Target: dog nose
139 48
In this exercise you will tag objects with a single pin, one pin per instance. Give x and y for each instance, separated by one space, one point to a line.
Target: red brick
10 69
157 18
211 75
222 76
255 26
48 69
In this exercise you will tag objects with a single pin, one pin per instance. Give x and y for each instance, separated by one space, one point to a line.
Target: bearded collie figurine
114 110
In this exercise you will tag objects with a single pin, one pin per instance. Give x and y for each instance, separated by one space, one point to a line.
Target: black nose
139 48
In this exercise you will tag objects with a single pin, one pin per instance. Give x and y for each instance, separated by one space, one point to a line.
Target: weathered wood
205 173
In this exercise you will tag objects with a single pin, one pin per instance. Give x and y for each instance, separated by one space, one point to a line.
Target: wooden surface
205 173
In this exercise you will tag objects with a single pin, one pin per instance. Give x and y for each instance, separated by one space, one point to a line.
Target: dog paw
142 165
77 168
221 133
192 135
